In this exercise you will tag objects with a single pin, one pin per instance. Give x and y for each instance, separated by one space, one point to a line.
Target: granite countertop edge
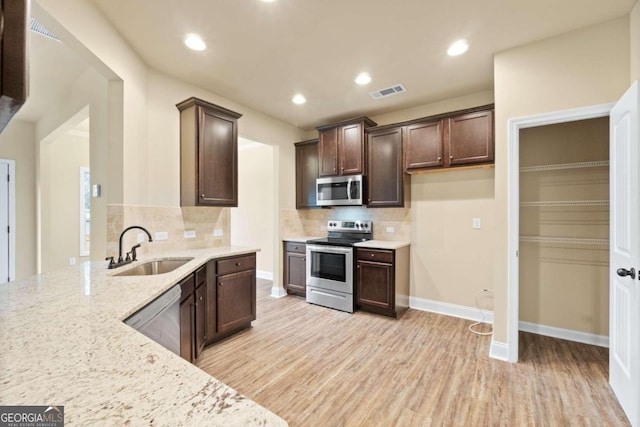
64 343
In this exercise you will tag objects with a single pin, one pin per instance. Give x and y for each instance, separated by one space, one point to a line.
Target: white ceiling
260 54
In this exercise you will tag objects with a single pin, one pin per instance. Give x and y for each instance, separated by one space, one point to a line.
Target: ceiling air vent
393 90
37 27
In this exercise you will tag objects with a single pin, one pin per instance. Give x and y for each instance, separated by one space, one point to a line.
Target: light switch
391 230
217 232
189 234
476 223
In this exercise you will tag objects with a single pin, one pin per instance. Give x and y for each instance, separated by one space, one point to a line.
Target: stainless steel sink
151 268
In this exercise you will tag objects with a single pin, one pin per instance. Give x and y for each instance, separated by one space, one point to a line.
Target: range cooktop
345 233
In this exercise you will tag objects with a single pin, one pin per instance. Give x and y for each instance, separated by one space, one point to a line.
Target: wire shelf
562 166
568 203
565 240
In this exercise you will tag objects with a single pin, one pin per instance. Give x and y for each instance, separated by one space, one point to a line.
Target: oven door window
328 266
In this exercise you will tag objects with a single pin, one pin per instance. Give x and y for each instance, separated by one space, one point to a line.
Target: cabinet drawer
201 275
299 248
375 255
187 287
234 265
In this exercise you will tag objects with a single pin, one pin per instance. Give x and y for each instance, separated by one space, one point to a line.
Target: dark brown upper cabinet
470 138
387 181
341 147
423 145
14 74
460 138
208 154
306 173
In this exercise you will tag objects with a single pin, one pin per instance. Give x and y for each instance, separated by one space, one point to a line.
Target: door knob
622 272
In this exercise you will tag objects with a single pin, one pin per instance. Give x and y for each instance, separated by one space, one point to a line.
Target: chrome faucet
131 256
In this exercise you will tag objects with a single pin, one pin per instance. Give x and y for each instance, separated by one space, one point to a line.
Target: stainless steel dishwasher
160 320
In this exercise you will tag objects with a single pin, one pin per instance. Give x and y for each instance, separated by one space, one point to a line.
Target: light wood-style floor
314 366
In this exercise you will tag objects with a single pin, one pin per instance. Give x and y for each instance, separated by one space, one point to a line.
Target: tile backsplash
204 221
208 222
309 222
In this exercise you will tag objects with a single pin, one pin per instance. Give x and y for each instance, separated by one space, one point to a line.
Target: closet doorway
564 231
515 127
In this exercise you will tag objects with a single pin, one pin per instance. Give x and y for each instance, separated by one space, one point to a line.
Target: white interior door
624 287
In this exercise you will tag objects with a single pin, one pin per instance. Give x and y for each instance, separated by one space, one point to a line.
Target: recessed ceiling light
195 42
458 48
299 99
363 79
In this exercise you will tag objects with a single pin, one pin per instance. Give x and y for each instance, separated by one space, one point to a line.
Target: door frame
513 205
12 216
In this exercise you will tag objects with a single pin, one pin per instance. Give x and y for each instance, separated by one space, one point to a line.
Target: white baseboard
262 274
499 350
278 292
462 311
565 334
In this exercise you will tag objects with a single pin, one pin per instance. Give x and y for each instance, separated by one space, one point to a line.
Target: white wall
586 67
17 142
250 220
60 162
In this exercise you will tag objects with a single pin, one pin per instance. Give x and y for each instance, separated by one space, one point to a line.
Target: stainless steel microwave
345 190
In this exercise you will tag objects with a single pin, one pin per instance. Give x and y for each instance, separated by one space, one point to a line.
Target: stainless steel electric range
330 264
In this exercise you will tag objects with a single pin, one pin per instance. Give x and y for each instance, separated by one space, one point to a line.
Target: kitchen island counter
64 343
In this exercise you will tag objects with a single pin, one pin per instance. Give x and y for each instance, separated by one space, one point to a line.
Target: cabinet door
423 145
217 159
296 273
210 327
200 318
375 285
236 300
306 174
351 149
14 58
328 152
386 178
470 139
186 328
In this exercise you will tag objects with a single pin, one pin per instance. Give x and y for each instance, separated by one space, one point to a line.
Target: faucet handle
111 262
133 252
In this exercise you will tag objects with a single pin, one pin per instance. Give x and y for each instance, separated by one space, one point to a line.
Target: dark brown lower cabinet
187 315
236 288
200 331
215 306
382 280
235 300
295 268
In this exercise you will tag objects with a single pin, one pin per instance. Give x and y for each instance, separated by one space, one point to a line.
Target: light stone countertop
382 244
300 239
63 343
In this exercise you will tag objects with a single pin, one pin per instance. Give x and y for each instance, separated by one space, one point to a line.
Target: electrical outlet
189 234
72 261
323 228
161 235
217 232
391 230
475 223
140 238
